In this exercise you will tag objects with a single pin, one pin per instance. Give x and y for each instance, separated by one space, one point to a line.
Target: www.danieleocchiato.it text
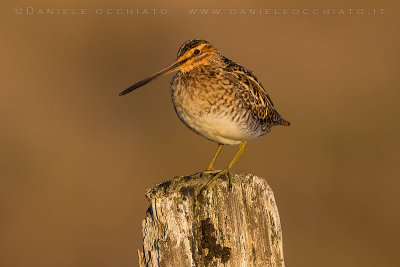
286 11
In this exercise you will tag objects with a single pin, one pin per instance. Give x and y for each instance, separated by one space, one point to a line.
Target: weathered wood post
216 227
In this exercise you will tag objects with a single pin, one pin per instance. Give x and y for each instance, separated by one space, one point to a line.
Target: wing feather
253 94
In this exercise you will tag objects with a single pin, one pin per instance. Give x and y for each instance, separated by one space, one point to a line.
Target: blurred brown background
76 159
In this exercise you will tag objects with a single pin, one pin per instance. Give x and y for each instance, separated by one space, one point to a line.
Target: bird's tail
282 121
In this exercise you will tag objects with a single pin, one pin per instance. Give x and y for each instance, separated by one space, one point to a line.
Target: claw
218 175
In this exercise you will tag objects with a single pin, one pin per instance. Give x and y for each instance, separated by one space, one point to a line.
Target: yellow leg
226 171
240 152
210 167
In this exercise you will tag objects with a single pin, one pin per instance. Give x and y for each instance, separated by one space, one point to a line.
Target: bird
218 99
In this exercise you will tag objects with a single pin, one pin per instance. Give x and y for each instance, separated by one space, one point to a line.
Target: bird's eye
196 51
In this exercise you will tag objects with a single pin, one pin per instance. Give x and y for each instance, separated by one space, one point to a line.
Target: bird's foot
218 174
210 172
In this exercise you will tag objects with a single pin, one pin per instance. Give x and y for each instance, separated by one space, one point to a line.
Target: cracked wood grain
216 227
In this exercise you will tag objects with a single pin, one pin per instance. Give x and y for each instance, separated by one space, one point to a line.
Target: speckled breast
212 107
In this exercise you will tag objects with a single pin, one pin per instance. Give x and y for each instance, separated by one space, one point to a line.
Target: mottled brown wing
254 96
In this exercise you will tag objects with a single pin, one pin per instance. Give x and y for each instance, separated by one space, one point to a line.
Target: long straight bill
149 79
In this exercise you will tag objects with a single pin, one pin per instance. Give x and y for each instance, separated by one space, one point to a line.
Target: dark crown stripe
189 45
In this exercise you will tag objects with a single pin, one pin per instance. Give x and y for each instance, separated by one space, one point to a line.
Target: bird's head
192 54
195 53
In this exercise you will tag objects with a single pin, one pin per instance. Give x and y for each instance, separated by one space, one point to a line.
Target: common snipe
217 98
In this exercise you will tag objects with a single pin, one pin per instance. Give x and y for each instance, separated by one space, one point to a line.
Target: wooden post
216 227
